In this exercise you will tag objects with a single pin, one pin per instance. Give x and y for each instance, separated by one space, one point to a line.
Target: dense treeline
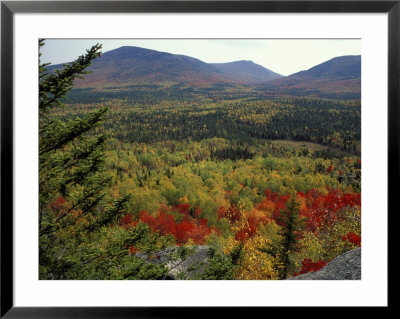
334 123
155 93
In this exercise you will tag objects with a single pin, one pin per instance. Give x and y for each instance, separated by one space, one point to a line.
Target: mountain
339 75
129 65
343 67
247 71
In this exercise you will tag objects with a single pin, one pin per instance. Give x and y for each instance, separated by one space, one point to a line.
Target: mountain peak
132 52
347 66
247 69
242 61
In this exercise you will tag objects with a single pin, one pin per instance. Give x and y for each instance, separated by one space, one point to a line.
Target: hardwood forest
141 150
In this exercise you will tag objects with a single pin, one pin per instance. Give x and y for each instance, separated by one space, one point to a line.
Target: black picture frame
9 8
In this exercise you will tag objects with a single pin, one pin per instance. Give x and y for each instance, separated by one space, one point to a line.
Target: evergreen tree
75 210
293 223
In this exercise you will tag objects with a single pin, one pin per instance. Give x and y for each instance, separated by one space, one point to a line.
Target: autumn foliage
188 228
318 210
308 266
315 207
353 238
319 214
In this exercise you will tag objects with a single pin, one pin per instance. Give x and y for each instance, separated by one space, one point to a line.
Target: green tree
293 223
75 209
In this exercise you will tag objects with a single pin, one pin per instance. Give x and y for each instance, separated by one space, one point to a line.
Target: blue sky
284 56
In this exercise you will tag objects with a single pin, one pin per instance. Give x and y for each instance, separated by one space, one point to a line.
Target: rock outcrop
190 263
346 266
183 263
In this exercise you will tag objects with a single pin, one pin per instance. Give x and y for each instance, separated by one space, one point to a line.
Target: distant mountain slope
338 75
133 65
247 70
343 67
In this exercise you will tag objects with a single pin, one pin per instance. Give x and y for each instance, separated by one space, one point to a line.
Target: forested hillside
271 183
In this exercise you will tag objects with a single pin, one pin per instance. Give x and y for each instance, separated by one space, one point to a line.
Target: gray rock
346 266
183 263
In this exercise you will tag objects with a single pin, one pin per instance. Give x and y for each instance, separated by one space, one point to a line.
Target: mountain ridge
345 66
130 66
336 75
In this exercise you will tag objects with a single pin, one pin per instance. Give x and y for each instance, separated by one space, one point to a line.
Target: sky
284 56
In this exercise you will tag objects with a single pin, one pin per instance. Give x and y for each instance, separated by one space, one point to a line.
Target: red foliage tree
353 238
308 266
232 213
188 228
318 209
250 228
